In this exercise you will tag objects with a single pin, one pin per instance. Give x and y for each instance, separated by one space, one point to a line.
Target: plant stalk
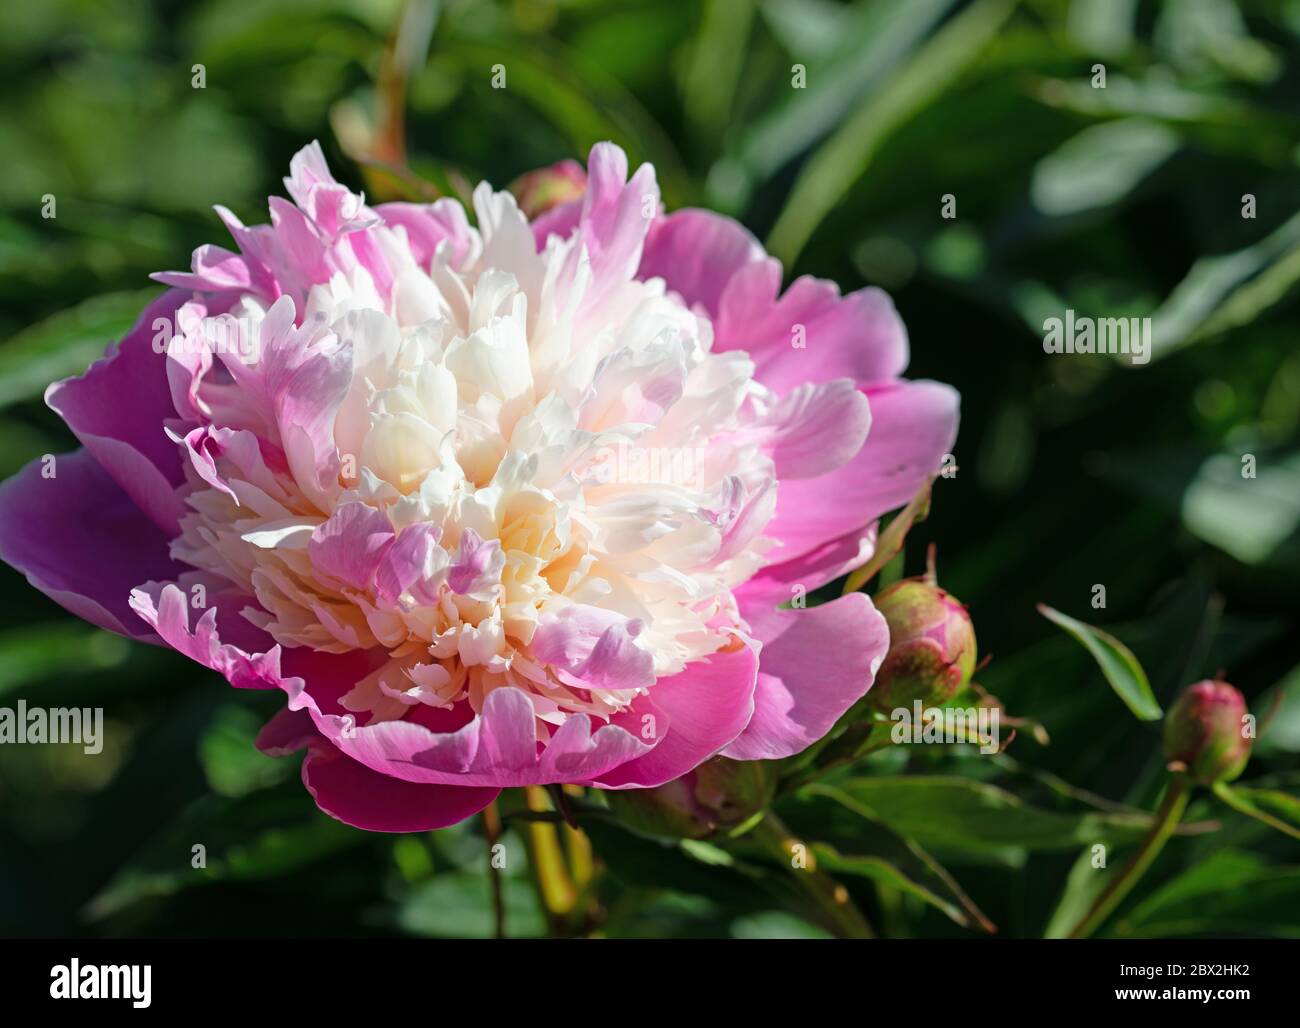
828 896
1167 817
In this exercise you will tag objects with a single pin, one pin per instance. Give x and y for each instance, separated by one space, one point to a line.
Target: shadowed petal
118 408
352 793
82 541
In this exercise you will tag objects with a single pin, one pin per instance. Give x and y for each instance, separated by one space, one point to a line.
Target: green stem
828 896
555 888
1166 820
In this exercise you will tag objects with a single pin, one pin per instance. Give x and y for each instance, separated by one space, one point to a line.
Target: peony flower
492 505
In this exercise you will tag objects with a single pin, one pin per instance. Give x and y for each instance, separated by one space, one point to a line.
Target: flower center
503 472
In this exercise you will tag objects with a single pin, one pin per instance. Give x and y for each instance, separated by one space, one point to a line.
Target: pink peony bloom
494 506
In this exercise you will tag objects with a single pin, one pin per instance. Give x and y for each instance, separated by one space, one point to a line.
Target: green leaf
892 538
709 81
871 42
842 159
1082 887
36 653
639 862
1116 661
1278 810
66 343
1101 165
946 895
582 101
1228 892
776 924
1280 721
459 905
1250 518
248 839
858 842
1254 520
233 764
1228 290
947 814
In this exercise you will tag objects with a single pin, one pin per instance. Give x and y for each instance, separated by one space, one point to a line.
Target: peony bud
931 646
538 191
1205 731
718 795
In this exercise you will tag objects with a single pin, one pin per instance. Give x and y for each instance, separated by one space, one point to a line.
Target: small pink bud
931 645
538 191
1205 732
718 795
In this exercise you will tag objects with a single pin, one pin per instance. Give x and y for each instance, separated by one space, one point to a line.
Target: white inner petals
483 473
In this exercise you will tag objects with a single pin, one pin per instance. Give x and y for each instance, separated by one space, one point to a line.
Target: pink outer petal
352 793
117 409
80 540
696 714
913 424
287 732
859 336
696 253
816 428
817 567
816 663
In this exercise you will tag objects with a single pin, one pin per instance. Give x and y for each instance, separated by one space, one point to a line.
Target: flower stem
492 829
1167 817
829 897
555 888
854 744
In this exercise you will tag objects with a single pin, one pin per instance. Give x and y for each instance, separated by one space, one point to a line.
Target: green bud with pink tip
546 188
1206 732
931 645
717 796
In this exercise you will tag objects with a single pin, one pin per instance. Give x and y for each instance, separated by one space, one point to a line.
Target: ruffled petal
694 714
165 607
495 749
614 222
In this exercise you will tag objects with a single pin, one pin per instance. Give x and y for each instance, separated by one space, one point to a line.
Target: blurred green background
1074 470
